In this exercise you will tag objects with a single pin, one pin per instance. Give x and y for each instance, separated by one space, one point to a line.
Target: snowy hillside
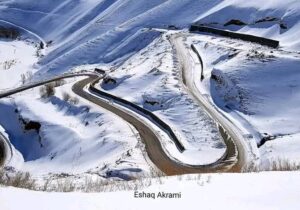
273 19
70 137
89 31
260 85
245 94
16 58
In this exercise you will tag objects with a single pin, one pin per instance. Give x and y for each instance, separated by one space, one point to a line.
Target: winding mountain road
233 160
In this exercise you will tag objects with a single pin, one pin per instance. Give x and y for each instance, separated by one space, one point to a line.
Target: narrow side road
236 145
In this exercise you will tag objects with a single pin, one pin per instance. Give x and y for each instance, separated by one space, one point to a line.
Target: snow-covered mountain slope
56 135
16 59
70 138
87 31
273 19
122 35
258 87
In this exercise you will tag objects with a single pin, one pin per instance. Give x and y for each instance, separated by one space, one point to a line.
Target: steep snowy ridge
97 25
104 23
273 19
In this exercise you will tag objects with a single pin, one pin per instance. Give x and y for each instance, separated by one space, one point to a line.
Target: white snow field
16 58
73 138
267 191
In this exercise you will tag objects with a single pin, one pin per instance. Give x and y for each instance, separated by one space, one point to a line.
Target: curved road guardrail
145 112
